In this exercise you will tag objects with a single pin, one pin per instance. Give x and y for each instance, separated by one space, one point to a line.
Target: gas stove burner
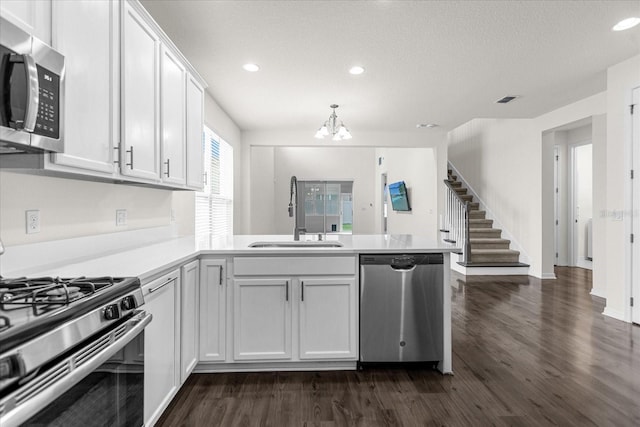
63 294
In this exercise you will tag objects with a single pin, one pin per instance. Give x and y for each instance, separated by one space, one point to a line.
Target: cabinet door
195 117
213 292
139 155
328 313
161 345
172 113
92 71
34 17
262 319
189 320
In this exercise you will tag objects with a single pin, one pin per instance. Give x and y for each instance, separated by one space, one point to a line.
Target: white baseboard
615 314
598 292
548 276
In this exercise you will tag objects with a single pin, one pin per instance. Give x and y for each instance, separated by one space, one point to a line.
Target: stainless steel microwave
32 97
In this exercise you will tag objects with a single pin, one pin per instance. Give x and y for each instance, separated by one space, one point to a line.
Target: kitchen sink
296 244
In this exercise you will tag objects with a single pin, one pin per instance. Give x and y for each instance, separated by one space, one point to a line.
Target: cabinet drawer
261 266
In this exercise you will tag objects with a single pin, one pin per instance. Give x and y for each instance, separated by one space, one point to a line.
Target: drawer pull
156 288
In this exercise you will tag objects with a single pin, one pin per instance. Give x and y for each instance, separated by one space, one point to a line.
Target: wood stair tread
488 240
494 251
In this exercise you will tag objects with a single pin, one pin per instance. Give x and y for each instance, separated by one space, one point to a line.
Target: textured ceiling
444 62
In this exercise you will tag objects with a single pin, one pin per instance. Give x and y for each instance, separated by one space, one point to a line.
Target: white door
92 73
582 204
189 319
173 117
213 303
262 319
635 247
195 116
161 345
140 153
328 318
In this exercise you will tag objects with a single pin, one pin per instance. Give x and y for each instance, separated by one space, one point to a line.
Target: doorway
581 202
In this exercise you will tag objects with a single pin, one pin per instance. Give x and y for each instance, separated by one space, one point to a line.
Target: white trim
488 271
524 256
548 276
615 314
633 269
599 292
573 260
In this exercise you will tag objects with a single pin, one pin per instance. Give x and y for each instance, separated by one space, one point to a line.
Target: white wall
417 167
271 171
73 208
267 140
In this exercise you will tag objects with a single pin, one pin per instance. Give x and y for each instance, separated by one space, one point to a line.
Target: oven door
99 384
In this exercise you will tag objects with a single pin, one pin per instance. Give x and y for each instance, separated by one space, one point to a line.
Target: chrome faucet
293 208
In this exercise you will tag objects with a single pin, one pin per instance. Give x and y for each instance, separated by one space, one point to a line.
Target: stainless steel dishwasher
401 308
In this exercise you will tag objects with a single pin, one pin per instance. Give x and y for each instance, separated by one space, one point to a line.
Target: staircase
489 252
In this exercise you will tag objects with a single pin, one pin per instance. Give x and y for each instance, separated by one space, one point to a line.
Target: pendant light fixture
331 127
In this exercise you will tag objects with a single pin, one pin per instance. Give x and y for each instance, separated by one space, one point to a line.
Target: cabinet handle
130 151
155 288
220 277
287 291
302 290
167 163
117 156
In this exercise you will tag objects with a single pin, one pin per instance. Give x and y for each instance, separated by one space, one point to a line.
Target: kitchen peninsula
247 303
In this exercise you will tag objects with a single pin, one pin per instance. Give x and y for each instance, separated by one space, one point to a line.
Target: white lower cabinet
262 319
327 318
213 303
295 309
189 319
161 344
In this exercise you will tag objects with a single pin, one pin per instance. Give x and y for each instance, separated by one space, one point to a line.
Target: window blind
214 205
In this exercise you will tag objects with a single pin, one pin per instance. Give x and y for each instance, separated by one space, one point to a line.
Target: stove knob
111 312
128 303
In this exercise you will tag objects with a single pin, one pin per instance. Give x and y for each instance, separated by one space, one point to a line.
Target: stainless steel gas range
72 351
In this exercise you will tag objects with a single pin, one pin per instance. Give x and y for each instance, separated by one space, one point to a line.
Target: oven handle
50 391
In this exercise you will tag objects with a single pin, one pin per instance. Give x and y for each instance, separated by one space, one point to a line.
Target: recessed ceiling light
625 24
426 125
252 68
356 70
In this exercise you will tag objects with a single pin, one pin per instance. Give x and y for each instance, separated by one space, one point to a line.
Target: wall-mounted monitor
399 197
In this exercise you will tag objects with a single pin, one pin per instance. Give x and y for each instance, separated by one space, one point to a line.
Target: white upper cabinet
32 16
140 153
91 87
195 118
173 117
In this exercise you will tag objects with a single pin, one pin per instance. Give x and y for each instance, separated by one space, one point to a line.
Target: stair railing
456 221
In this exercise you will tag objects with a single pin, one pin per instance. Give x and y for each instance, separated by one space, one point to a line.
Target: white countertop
150 259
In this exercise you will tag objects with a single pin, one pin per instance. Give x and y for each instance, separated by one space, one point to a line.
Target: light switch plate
32 221
121 217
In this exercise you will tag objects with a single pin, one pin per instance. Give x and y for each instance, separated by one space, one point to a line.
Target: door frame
556 203
634 258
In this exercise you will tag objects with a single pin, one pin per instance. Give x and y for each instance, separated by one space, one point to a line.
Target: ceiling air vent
506 99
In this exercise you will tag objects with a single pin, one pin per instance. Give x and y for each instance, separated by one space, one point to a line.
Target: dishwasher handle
403 263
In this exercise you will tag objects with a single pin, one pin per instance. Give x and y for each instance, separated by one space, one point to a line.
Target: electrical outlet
33 221
121 217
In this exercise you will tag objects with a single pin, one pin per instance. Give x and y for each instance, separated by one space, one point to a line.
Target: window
214 205
328 206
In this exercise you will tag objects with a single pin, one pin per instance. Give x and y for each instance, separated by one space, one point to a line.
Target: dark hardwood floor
526 352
